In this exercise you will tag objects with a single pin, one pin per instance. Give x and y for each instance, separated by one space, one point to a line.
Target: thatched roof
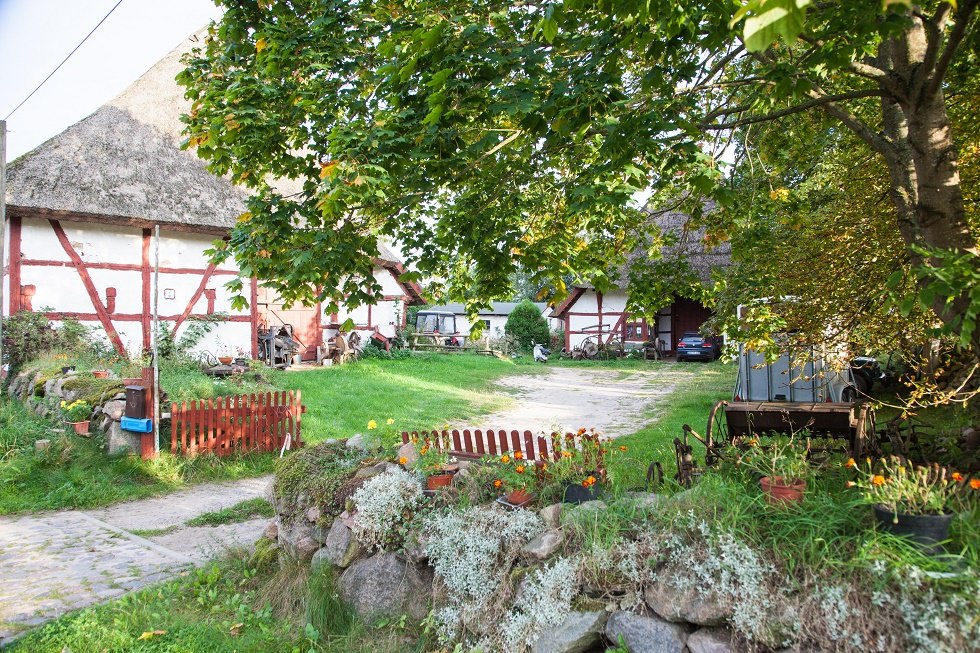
690 245
124 161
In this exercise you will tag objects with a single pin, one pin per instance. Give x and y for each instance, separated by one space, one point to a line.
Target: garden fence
243 423
476 443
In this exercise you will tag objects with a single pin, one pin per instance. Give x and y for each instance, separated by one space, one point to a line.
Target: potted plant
783 465
917 502
433 463
240 358
579 463
516 476
100 374
77 413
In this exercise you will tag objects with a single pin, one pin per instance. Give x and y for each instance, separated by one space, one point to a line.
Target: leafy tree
480 134
527 324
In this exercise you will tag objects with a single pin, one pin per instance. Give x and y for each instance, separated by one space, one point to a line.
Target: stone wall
44 394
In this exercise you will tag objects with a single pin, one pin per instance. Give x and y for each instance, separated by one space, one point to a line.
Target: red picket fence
243 423
476 443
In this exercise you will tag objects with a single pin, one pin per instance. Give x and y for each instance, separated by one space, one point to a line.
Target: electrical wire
64 60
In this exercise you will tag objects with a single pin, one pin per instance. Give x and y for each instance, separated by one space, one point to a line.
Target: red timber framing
93 294
15 263
193 300
103 313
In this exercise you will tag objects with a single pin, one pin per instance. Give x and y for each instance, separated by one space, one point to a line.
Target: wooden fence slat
299 418
542 448
515 440
529 445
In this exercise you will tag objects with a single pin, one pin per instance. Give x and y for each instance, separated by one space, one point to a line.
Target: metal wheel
590 347
354 340
615 348
716 434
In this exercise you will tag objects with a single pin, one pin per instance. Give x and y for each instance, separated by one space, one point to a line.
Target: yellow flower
878 480
425 449
390 421
566 454
505 459
975 483
64 403
372 425
403 460
544 467
850 463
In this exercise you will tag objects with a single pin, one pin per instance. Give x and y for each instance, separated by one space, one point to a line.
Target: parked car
694 346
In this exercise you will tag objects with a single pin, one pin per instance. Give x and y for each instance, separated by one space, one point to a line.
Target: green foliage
195 329
324 474
527 324
27 335
241 511
19 428
76 411
325 610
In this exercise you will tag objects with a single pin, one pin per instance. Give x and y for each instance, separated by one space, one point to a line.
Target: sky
35 35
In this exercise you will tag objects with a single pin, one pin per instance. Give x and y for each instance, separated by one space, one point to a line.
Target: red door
304 320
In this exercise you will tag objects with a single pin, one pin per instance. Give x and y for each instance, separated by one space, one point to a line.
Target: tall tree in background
479 134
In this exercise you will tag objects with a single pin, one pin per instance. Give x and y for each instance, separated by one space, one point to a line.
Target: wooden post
3 229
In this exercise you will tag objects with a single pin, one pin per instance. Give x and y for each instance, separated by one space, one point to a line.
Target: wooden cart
731 424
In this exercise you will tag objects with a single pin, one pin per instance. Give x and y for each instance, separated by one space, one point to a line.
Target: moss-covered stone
321 476
94 391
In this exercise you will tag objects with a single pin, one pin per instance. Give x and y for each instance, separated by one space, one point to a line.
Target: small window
486 325
634 331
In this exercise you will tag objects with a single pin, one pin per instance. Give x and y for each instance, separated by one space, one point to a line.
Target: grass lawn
422 392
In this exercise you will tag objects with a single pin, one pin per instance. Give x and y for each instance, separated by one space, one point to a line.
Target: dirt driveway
616 402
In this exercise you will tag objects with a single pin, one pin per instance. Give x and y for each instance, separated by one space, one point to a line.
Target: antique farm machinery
436 331
277 346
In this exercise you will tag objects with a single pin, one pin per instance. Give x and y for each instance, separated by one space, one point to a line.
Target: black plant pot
925 530
67 368
576 493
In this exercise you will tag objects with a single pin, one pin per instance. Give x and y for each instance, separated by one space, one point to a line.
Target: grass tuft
241 511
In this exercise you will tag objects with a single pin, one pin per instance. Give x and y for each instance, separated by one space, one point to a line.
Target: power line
64 60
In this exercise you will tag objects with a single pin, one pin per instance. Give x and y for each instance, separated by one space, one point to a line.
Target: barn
587 312
83 209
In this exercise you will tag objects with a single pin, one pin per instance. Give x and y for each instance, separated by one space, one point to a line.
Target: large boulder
711 640
384 585
697 606
641 633
544 544
407 452
551 515
121 441
578 633
296 537
364 442
583 512
341 548
114 409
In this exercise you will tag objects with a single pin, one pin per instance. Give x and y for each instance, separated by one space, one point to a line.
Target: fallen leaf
150 634
236 629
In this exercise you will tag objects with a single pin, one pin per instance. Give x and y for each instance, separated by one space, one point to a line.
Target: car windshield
692 340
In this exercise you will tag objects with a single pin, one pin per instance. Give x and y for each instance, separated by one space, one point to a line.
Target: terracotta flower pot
81 428
100 374
436 481
778 492
224 360
928 531
517 497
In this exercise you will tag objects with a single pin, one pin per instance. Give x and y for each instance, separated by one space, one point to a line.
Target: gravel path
54 562
615 402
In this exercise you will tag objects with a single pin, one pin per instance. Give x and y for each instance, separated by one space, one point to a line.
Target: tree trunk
921 160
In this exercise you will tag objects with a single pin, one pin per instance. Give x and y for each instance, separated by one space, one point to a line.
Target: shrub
386 505
528 325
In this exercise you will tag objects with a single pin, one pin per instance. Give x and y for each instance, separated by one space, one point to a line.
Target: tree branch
817 100
963 15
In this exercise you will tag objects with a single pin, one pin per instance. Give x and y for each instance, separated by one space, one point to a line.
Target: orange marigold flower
975 483
622 447
878 480
544 467
403 460
518 455
581 431
957 477
519 469
498 483
850 463
505 459
566 454
424 449
585 483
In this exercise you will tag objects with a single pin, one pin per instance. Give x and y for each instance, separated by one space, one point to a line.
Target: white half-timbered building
82 209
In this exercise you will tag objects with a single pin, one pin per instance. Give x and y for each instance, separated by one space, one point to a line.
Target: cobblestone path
51 563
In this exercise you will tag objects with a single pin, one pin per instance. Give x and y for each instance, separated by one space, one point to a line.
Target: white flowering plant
386 505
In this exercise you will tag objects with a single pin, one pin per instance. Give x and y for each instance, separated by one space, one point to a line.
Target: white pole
156 329
3 226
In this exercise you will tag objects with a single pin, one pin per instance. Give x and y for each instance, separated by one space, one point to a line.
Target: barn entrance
305 321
